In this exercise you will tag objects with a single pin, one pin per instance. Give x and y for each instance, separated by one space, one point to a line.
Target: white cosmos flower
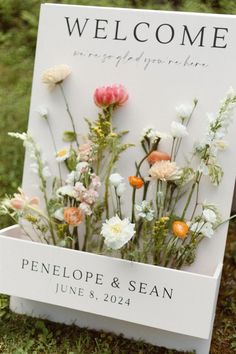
121 189
203 228
63 154
184 110
55 75
117 232
209 215
115 179
178 130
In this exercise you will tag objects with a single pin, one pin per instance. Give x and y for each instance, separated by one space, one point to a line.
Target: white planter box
162 298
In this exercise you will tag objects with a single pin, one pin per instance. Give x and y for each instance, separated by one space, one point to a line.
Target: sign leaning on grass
128 154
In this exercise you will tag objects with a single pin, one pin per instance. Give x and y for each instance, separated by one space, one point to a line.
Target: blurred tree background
18 32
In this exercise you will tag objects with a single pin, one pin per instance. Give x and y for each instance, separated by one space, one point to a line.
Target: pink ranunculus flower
115 95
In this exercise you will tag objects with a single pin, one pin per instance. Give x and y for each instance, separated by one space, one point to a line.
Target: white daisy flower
63 154
117 232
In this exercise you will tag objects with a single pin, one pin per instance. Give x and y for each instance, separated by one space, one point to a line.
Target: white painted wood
174 300
129 330
154 93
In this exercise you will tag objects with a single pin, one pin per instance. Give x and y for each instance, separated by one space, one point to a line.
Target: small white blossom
46 172
117 232
153 135
184 111
178 130
115 179
207 230
66 190
209 215
203 228
86 209
42 111
59 214
82 167
72 177
145 211
121 189
21 136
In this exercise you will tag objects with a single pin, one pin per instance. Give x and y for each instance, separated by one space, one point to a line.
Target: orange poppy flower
73 216
180 228
158 156
136 182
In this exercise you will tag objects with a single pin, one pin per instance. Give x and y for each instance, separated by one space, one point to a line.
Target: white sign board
163 59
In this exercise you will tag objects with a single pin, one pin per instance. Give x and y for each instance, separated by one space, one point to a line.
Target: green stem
55 148
69 113
87 233
133 219
197 181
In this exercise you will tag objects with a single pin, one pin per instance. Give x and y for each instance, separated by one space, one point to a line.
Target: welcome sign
164 59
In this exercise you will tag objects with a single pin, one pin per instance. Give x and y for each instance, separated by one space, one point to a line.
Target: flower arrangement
84 209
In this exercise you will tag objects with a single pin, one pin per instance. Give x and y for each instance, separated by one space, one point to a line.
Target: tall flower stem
43 189
87 233
69 113
187 123
195 183
138 167
55 147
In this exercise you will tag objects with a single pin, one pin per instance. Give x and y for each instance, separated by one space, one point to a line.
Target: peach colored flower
115 95
164 171
135 181
73 216
157 156
180 228
20 200
55 75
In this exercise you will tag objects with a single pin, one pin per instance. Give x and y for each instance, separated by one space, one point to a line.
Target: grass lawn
23 335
